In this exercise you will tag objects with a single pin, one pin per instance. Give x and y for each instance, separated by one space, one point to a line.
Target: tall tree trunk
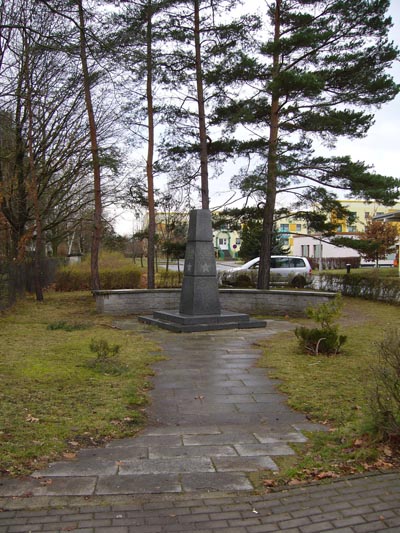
150 152
97 220
33 185
18 214
268 220
205 200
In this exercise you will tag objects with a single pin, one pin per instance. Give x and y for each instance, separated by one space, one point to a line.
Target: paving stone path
214 418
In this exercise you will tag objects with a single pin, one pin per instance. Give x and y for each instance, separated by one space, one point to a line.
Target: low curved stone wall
250 301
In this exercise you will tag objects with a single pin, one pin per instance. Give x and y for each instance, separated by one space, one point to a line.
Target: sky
380 148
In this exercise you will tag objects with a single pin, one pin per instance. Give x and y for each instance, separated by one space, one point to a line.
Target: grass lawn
55 393
334 391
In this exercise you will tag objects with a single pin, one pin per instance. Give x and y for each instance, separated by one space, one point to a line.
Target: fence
333 263
16 279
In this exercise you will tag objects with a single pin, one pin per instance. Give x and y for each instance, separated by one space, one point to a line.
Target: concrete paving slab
82 467
116 453
244 464
222 438
144 440
177 465
64 486
184 430
203 408
267 437
263 449
262 407
234 398
220 481
138 484
191 451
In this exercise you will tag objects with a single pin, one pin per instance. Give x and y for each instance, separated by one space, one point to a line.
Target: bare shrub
385 397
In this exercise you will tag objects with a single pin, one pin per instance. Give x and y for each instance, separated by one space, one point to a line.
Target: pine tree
317 77
203 36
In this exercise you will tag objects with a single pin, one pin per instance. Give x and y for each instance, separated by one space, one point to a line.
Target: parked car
285 270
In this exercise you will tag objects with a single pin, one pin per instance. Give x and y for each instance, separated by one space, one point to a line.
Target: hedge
73 279
367 287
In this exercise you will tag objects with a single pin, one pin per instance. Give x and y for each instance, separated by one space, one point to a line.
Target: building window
223 242
339 228
298 228
352 229
305 250
238 241
317 249
284 228
366 215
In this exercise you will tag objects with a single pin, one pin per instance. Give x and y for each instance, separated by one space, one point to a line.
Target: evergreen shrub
325 339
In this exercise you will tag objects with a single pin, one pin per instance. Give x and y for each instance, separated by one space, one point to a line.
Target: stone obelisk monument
200 285
200 308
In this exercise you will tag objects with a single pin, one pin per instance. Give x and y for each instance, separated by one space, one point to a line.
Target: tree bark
150 152
18 215
97 218
205 200
269 209
33 184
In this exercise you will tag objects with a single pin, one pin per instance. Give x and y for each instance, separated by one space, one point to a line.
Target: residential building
226 243
363 211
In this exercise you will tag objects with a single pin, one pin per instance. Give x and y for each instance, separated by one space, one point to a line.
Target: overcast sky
381 148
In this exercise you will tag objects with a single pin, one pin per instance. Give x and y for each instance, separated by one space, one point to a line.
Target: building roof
389 217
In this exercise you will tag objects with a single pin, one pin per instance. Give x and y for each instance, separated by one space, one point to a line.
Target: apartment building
291 227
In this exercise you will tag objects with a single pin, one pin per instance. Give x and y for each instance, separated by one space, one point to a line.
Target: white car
285 270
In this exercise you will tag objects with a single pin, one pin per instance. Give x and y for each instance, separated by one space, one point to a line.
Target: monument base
182 323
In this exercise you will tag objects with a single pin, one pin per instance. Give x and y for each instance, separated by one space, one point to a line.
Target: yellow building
363 211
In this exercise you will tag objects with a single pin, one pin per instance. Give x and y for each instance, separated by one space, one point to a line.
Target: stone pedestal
199 308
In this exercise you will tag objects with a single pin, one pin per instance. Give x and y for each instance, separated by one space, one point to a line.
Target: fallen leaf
69 455
31 418
269 482
387 451
326 475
